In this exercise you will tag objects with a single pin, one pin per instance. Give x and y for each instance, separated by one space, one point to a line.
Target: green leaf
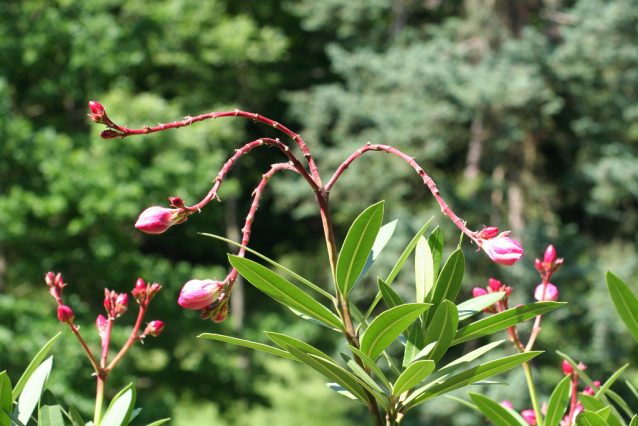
49 412
558 402
369 362
588 418
435 241
503 320
340 390
33 390
283 341
248 344
412 376
120 408
76 418
414 344
592 404
15 419
449 282
423 269
35 362
331 371
384 235
367 381
468 377
272 262
159 422
610 381
631 388
307 318
625 301
390 297
477 304
283 291
388 326
634 421
442 329
406 253
620 402
6 399
357 246
604 412
494 411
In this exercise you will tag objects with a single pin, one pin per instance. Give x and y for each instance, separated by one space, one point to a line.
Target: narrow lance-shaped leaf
435 241
367 381
497 414
248 344
423 269
620 402
159 422
503 320
470 376
390 297
477 304
449 282
35 362
610 381
33 390
384 235
357 246
414 344
120 408
372 366
331 371
75 417
284 341
558 402
49 412
625 301
5 399
589 418
388 326
412 376
283 291
442 329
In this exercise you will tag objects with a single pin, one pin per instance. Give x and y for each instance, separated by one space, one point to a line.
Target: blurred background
524 112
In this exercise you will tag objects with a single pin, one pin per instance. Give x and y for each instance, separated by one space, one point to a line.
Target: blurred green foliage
525 114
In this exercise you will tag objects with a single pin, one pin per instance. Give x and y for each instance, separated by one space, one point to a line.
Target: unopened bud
502 250
65 314
506 404
529 416
55 284
121 304
582 367
156 219
200 294
222 313
96 107
478 291
153 290
547 292
177 202
110 134
567 368
154 328
489 232
108 300
101 323
139 292
550 255
495 285
539 266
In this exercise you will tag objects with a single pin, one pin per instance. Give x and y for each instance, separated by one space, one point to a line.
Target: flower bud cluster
494 286
153 328
55 284
143 293
550 264
115 303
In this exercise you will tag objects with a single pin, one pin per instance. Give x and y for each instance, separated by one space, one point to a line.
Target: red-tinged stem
106 342
131 340
92 359
445 209
245 150
574 401
537 322
99 399
213 115
246 230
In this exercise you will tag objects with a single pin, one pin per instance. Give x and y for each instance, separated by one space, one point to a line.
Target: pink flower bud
108 300
65 314
551 293
155 220
153 290
495 285
550 255
578 409
96 107
55 284
121 304
154 328
487 233
109 134
591 391
567 368
101 324
140 292
478 291
502 250
199 294
539 266
582 367
529 416
506 404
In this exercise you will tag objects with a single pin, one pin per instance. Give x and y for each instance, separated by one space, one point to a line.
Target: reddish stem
132 339
106 342
246 230
574 401
537 322
94 363
445 209
213 115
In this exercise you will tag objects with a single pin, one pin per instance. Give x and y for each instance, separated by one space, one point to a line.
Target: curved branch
188 120
294 164
445 209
